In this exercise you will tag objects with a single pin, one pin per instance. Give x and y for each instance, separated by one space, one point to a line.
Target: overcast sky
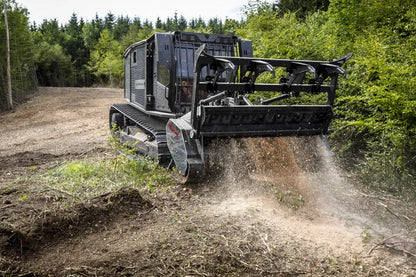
145 9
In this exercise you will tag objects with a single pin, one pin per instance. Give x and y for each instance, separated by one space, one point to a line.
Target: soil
270 207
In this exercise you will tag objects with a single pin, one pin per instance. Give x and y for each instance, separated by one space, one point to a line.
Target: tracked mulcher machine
185 89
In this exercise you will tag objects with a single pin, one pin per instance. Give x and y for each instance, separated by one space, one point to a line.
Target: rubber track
153 125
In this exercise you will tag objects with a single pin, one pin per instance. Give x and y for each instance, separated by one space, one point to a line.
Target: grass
84 178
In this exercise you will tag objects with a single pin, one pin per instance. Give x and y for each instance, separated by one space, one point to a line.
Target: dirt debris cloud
294 177
260 182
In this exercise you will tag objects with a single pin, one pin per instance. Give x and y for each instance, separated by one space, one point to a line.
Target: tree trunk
9 79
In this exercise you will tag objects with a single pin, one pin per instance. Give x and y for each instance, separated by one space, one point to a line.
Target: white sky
145 9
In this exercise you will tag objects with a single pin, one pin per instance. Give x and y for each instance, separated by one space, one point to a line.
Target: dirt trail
274 207
56 122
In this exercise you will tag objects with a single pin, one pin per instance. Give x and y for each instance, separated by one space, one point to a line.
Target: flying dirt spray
297 173
296 176
265 166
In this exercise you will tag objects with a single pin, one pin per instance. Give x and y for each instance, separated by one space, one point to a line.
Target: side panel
127 77
138 75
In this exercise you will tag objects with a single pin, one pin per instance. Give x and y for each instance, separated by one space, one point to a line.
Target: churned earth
269 207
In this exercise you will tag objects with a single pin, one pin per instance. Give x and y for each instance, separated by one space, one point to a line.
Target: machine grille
137 84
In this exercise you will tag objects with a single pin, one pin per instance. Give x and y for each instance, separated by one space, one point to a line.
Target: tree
75 48
158 24
147 24
169 25
9 77
106 61
21 55
91 31
230 26
137 22
192 23
98 23
182 23
90 34
49 32
109 21
200 23
121 27
53 66
73 28
215 26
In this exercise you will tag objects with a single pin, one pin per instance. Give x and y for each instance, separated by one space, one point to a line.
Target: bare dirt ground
273 207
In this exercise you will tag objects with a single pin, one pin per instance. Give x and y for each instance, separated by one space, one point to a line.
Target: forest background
374 131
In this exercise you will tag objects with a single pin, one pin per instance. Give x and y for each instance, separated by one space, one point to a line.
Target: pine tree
109 21
159 24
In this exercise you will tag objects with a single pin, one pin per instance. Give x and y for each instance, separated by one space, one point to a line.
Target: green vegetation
21 55
86 178
375 126
376 111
